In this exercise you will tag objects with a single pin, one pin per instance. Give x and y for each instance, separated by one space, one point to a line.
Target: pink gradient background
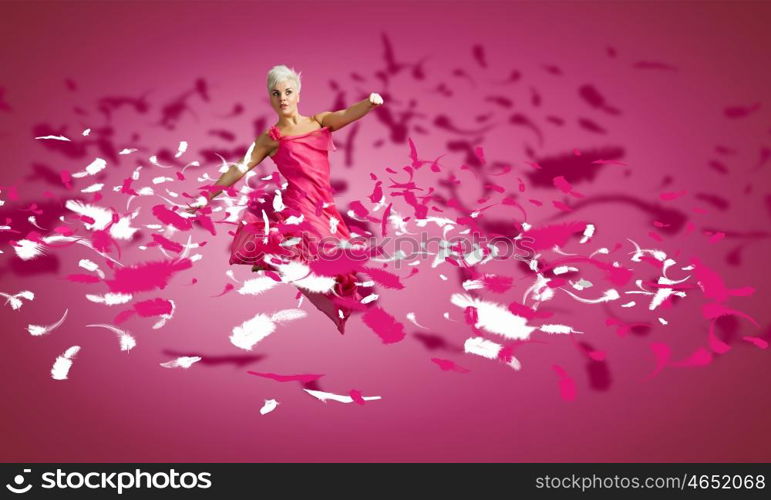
123 407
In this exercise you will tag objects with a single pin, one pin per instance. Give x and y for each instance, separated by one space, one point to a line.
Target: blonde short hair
281 73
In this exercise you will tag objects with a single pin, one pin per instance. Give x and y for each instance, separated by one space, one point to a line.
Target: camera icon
18 480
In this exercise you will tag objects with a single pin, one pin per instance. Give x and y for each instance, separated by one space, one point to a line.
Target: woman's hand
192 209
198 204
375 99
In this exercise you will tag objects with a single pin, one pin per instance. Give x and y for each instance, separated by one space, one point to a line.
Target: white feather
659 298
473 285
482 347
269 406
165 317
248 333
91 266
288 315
182 362
588 233
257 286
127 342
93 188
32 220
123 230
101 216
495 318
154 160
27 249
110 299
299 275
37 330
410 316
96 166
557 329
63 363
181 149
488 349
370 298
54 238
15 300
53 137
278 201
607 296
324 396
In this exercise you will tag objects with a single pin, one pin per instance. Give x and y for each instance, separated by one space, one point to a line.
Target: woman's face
284 97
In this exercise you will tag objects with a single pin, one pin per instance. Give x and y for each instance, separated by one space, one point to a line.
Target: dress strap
274 133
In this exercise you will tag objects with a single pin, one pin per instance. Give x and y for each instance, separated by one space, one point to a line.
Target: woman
299 146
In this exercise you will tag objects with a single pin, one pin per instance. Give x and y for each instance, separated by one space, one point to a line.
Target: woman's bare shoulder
319 117
265 139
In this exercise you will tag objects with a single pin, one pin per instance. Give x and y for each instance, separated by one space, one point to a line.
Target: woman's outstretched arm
262 147
338 119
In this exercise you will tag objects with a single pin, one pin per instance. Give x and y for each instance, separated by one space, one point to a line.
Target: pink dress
303 160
